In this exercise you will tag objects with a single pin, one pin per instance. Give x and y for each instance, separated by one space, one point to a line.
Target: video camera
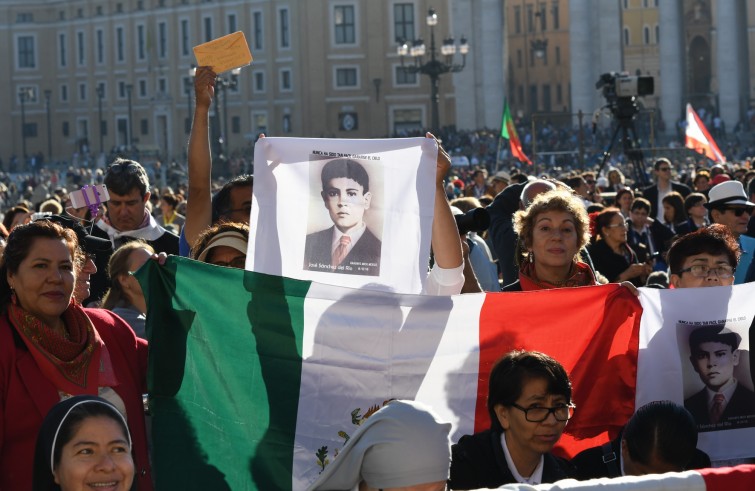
621 91
475 220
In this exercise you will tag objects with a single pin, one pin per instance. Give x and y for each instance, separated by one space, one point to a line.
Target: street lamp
100 96
48 93
225 84
130 136
434 68
189 90
25 94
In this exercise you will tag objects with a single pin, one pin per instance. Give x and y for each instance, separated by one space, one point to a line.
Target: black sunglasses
738 211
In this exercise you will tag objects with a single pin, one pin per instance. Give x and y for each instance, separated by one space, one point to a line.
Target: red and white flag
697 137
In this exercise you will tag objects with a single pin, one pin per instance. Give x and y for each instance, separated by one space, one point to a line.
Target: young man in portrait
348 246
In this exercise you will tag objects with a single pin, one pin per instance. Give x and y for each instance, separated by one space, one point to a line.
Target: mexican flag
698 139
256 381
508 131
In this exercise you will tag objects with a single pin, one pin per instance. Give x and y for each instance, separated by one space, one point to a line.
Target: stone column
581 39
670 87
728 62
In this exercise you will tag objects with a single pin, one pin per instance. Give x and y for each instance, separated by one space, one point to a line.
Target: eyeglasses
128 167
590 182
664 169
617 225
562 412
702 271
737 211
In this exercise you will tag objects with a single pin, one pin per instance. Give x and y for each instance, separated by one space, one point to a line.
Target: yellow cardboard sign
224 53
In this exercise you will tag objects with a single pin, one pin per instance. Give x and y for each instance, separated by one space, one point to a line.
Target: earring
531 257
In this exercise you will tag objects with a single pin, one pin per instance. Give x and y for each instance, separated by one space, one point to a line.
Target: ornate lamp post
100 96
224 84
48 93
189 86
434 67
130 139
25 94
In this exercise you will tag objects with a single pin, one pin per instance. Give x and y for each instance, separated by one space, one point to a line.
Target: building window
83 91
517 20
343 20
80 48
185 37
541 13
66 129
259 121
162 34
519 58
646 34
559 95
140 42
119 55
162 85
406 120
285 79
232 23
657 34
403 21
144 126
142 88
626 36
24 18
259 81
532 57
100 37
207 29
26 54
62 50
235 125
140 5
63 93
101 88
554 13
286 123
346 77
283 28
547 98
30 130
405 77
558 55
530 18
258 32
62 15
520 95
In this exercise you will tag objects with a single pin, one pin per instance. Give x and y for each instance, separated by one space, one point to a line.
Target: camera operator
472 219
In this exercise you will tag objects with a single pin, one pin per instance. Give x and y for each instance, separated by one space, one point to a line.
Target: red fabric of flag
597 346
508 130
729 478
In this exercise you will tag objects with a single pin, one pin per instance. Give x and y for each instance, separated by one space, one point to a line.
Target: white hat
501 176
403 444
727 193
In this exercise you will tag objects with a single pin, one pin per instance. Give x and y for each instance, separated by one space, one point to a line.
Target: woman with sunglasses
529 403
610 253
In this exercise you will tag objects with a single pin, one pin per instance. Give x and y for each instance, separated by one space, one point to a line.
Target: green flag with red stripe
508 131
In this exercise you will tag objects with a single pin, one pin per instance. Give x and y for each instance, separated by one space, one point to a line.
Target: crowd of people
73 348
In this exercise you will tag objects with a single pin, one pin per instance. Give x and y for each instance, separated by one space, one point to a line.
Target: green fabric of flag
508 131
234 431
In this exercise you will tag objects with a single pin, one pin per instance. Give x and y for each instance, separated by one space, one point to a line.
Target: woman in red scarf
51 349
552 231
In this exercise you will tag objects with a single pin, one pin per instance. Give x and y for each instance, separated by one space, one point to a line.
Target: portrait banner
344 212
695 351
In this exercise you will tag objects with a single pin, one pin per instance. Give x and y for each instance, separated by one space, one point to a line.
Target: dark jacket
477 461
650 193
660 234
739 411
501 230
605 461
363 259
610 264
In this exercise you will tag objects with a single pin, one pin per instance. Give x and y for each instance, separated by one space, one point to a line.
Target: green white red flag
256 381
508 131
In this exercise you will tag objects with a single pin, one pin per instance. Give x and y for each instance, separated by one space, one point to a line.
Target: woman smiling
51 348
553 229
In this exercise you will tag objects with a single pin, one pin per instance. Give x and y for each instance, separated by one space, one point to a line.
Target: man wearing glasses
705 257
663 186
729 206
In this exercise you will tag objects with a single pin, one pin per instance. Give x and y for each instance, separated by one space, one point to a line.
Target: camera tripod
630 147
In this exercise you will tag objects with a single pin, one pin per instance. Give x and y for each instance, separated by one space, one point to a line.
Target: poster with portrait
347 212
695 351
